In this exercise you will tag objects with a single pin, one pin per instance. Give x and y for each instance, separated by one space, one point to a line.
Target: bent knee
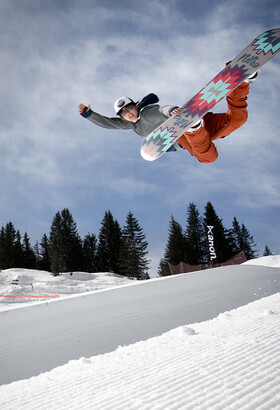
236 120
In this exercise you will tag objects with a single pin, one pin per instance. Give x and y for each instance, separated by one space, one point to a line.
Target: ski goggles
126 109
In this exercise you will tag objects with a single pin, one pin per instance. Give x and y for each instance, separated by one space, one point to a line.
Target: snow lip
71 285
271 261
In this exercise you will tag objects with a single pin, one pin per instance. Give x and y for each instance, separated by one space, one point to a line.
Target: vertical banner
210 235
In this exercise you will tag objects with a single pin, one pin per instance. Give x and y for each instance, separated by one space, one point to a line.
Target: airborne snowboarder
144 116
193 126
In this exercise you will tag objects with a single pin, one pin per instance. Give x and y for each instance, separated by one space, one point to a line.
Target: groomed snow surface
204 340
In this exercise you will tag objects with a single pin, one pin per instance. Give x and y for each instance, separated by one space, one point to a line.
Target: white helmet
122 102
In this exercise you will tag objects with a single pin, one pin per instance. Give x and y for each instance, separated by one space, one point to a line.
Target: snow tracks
230 362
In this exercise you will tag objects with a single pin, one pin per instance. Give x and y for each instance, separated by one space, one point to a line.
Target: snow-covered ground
26 285
203 340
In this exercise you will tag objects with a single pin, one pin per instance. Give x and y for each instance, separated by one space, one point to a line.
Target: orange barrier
30 296
182 267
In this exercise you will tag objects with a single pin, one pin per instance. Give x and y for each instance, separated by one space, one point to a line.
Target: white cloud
53 58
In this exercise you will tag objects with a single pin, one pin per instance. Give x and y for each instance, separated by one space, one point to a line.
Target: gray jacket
150 117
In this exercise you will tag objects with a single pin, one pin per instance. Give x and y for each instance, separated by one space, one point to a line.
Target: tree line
124 250
118 250
191 245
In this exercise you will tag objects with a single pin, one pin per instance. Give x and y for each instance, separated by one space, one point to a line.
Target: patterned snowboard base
254 56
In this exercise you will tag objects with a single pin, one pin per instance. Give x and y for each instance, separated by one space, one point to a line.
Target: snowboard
254 56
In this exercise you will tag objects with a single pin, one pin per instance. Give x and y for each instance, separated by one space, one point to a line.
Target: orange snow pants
200 143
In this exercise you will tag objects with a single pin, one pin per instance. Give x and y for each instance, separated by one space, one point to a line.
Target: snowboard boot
198 124
253 77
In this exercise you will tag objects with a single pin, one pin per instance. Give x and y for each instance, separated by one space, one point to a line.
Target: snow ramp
38 338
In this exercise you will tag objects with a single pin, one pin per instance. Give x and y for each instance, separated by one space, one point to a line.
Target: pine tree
11 247
28 257
196 238
267 251
11 251
18 251
90 253
72 241
236 237
133 262
44 260
175 250
221 240
248 243
109 242
65 244
56 246
2 248
242 240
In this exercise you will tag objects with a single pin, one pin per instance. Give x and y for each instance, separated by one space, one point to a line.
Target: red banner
30 296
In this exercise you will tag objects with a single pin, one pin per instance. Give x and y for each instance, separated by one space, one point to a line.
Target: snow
33 284
272 261
202 340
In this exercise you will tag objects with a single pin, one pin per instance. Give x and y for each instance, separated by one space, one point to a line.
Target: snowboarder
144 116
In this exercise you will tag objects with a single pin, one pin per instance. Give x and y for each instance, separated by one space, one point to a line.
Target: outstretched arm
101 120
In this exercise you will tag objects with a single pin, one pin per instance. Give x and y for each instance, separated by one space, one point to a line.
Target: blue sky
57 54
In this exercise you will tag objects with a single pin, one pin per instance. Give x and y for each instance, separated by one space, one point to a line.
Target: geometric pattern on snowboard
254 56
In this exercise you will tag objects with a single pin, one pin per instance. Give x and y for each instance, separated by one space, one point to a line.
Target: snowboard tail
253 57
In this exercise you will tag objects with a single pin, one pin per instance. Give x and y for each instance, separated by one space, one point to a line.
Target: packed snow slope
44 335
227 363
